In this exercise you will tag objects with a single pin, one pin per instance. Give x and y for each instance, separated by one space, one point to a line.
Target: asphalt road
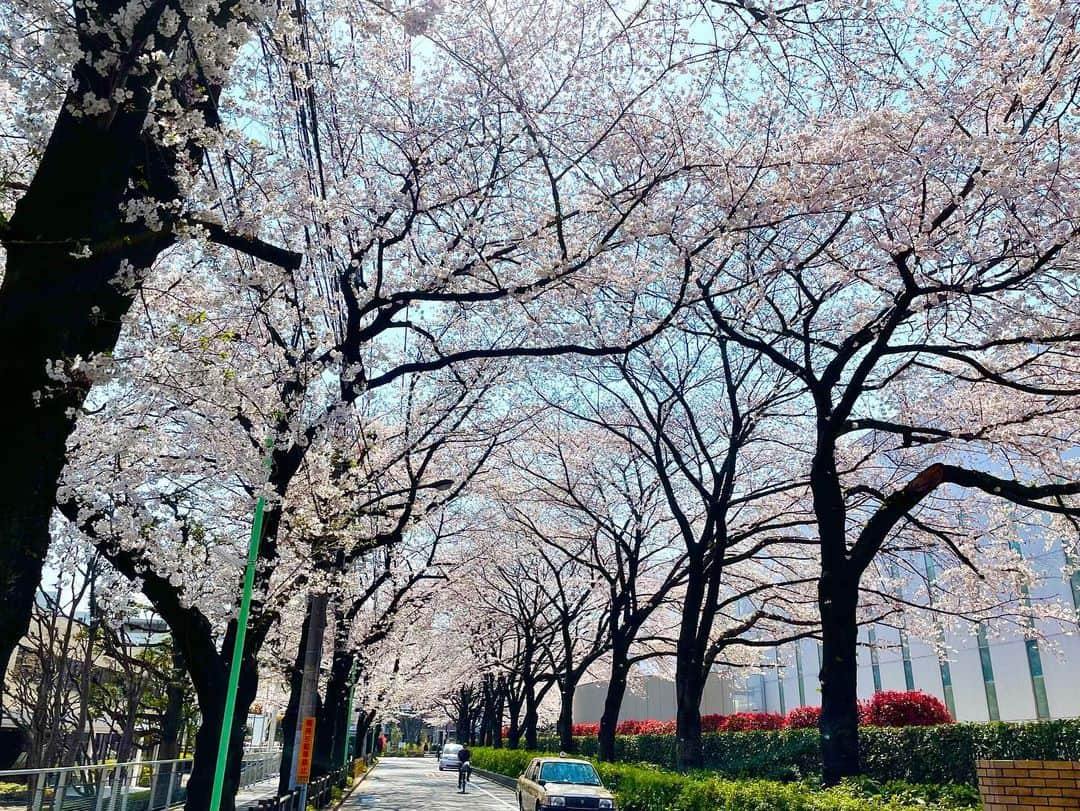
410 784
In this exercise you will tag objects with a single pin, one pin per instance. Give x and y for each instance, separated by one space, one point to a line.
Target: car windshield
576 774
451 747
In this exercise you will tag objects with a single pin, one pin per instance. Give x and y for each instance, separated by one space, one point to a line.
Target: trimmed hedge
646 788
924 754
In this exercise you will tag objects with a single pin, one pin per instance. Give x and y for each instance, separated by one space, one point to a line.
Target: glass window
577 774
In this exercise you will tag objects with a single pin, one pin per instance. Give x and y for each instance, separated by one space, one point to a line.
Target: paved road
409 784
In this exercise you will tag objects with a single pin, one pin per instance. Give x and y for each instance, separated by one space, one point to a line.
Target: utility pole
309 685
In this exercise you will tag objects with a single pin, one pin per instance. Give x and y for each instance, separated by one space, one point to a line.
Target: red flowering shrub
748 721
864 714
712 723
802 718
894 708
585 730
647 727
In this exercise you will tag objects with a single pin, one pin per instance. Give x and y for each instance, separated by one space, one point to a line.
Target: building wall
1012 677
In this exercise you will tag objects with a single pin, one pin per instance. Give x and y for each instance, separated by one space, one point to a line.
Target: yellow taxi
561 783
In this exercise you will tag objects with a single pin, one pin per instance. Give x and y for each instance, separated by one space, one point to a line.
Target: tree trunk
565 724
838 597
292 709
616 691
689 688
55 306
531 717
210 685
332 727
500 705
513 735
171 721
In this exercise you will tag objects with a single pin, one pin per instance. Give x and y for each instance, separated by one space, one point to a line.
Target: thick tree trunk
500 705
689 688
565 724
363 730
690 669
292 709
55 306
616 691
531 717
513 734
332 727
171 722
838 597
212 704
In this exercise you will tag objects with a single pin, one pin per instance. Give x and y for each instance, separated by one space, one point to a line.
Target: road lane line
499 800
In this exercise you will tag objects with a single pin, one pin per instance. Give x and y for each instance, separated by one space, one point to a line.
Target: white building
1008 679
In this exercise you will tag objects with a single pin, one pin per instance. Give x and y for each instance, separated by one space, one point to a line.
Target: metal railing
320 793
148 785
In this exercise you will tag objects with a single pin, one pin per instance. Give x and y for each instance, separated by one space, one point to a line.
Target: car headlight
607 804
557 802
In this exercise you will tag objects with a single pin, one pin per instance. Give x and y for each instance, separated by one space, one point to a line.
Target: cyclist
464 767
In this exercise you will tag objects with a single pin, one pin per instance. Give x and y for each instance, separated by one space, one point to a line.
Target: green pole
348 712
238 649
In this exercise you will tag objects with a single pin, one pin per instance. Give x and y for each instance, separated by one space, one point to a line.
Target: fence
148 785
320 793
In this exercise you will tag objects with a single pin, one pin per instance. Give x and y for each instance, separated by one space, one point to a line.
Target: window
577 774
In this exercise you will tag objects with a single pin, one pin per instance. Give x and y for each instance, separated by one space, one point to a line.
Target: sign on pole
307 744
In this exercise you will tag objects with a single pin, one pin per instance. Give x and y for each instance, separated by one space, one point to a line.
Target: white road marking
499 800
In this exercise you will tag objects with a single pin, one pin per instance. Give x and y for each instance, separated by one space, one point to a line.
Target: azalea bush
585 730
751 721
941 754
893 708
803 718
645 728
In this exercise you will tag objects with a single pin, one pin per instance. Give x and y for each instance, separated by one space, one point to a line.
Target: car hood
573 790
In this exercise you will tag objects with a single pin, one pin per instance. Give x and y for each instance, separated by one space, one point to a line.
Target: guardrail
320 793
495 777
147 785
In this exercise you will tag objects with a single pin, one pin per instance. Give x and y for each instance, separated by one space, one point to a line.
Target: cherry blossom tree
599 507
457 223
911 276
708 421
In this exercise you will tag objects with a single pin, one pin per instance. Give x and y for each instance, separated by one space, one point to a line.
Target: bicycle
464 775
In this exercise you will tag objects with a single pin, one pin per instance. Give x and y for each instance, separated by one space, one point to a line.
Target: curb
356 784
495 777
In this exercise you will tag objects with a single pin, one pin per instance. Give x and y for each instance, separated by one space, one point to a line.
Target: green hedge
647 788
937 754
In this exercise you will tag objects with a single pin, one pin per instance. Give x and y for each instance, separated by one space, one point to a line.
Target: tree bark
500 705
689 688
531 717
616 692
171 721
332 727
210 686
292 709
838 596
513 734
565 724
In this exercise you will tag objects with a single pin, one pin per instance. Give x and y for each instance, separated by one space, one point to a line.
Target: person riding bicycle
464 767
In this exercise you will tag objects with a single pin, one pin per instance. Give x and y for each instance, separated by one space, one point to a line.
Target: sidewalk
250 795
